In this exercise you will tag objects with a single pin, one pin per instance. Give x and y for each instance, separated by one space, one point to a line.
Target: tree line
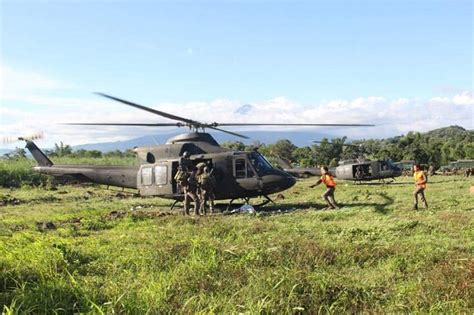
436 147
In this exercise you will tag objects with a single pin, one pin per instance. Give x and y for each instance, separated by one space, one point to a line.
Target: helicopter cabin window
240 168
161 174
147 176
150 158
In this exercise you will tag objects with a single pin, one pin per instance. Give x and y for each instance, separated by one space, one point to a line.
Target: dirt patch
150 214
280 197
115 215
45 226
9 201
72 221
121 195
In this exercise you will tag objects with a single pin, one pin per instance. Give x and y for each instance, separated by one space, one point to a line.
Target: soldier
359 175
468 172
192 192
207 185
431 170
328 180
420 186
185 162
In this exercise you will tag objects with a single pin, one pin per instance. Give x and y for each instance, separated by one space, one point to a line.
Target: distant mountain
299 138
451 132
244 109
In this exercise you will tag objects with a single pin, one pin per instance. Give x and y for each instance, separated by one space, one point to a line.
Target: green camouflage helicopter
359 169
239 174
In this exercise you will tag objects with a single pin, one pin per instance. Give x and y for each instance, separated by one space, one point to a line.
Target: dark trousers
329 197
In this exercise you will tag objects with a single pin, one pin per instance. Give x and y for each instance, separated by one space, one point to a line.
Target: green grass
133 255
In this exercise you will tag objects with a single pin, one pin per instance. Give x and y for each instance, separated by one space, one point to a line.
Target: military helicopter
239 174
359 169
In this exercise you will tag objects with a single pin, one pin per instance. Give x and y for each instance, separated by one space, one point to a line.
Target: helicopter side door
155 179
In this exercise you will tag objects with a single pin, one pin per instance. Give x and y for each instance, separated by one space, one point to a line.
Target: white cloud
45 106
16 84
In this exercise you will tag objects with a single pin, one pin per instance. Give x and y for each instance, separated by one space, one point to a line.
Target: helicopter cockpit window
161 174
150 158
240 168
260 163
392 166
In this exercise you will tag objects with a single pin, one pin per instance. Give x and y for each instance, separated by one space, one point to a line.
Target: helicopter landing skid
174 204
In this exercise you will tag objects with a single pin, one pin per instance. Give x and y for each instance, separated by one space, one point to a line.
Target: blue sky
311 53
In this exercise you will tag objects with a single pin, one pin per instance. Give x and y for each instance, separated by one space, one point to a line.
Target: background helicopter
238 174
358 169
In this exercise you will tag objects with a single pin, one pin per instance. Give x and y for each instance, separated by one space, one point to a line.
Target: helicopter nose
277 182
289 181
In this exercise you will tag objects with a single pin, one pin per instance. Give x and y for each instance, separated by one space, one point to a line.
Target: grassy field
85 249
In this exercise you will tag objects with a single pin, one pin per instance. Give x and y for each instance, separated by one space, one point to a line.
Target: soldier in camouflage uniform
192 192
207 185
186 184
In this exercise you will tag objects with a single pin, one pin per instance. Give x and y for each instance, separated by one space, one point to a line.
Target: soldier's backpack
206 181
181 177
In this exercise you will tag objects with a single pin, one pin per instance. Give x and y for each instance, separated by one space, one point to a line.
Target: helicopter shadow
283 208
379 207
381 184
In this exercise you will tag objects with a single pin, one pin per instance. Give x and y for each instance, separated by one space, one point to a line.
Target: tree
17 154
61 149
234 145
283 149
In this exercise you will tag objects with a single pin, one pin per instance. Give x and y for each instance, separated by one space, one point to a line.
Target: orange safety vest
419 176
328 180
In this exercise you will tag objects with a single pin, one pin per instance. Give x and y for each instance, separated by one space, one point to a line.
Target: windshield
393 166
260 163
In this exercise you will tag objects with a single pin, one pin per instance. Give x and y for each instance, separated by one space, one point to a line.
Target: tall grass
374 255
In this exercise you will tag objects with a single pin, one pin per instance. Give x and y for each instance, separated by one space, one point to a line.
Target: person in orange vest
420 186
328 180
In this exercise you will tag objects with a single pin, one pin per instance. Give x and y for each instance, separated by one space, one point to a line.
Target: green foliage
17 154
61 150
374 255
436 147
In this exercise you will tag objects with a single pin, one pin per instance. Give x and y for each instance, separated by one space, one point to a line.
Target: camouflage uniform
207 185
191 193
185 163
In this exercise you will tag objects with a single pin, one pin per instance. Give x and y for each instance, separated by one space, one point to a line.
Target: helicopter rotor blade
128 124
151 110
229 132
303 125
